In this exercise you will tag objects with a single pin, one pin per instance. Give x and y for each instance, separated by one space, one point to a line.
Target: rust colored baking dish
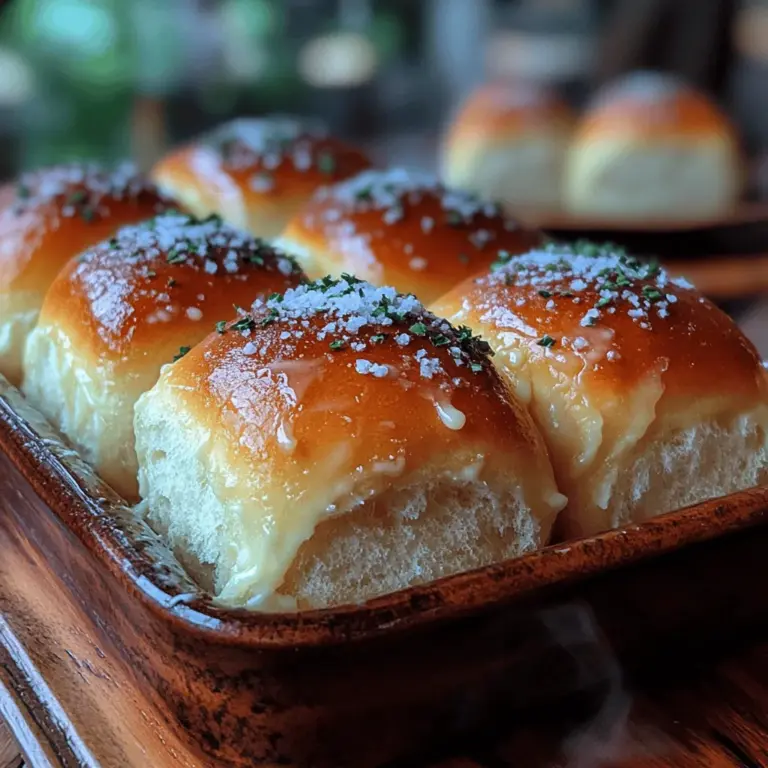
369 685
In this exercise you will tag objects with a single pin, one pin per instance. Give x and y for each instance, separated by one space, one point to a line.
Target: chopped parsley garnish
247 324
77 197
440 340
652 294
171 282
338 344
256 258
546 341
326 163
176 256
419 329
464 333
88 213
221 326
545 294
476 367
182 351
378 338
604 302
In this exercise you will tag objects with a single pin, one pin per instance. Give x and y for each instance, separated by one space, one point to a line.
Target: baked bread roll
115 314
653 147
402 229
257 172
649 397
509 142
337 444
47 217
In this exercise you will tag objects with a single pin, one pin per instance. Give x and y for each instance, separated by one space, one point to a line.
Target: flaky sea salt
374 369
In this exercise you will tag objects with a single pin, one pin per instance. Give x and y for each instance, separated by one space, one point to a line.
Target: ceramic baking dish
366 685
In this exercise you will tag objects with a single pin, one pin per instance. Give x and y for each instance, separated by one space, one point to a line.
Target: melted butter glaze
263 392
615 361
678 335
162 285
405 230
50 215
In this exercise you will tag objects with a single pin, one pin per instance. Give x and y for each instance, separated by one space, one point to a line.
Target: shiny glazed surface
402 229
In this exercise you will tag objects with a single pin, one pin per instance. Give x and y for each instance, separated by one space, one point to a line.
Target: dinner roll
47 217
402 229
508 142
649 397
653 147
257 172
339 443
116 313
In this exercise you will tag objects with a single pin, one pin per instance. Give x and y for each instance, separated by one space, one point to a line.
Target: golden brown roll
47 217
118 312
402 229
651 146
508 143
257 172
336 444
649 397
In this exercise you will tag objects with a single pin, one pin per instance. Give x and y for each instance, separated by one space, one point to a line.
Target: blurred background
110 78
107 79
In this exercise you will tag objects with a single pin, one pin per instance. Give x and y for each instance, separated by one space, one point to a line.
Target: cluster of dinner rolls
120 310
427 388
648 147
649 397
257 172
401 228
47 217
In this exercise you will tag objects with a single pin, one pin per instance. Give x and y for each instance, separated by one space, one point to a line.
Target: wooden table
713 716
698 713
9 753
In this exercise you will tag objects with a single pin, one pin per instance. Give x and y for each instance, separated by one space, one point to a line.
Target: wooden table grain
10 756
706 715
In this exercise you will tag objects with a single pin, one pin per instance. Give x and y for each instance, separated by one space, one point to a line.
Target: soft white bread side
508 143
257 172
119 311
403 229
649 397
46 217
337 444
652 147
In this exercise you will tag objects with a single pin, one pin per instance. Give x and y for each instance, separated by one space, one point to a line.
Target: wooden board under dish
110 655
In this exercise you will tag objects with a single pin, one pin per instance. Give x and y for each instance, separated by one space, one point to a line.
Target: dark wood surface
692 712
10 755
